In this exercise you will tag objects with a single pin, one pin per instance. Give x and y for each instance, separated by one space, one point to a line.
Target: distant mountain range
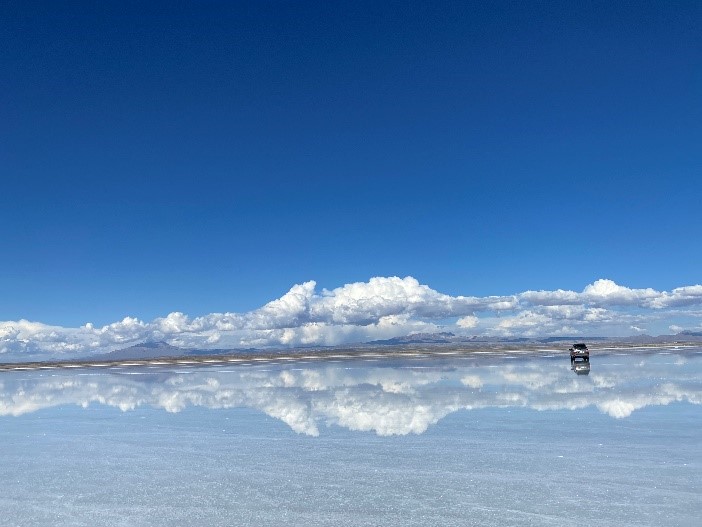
155 350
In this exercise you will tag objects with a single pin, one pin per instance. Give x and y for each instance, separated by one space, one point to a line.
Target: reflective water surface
483 439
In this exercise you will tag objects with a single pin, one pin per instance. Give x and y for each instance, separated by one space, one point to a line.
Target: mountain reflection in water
389 398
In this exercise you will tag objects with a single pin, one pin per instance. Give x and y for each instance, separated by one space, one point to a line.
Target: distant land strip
332 354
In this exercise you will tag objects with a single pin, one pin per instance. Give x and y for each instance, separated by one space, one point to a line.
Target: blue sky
205 157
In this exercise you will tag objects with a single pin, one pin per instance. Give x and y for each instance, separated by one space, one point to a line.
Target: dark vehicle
579 350
580 359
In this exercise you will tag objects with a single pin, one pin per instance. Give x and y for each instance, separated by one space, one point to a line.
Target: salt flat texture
499 440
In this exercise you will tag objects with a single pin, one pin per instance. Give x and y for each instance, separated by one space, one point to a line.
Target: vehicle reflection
580 366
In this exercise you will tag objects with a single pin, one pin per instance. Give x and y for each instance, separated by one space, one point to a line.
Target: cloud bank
381 308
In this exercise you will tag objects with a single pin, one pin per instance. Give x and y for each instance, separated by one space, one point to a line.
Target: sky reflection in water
386 397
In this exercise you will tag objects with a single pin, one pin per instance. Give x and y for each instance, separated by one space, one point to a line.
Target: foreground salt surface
453 441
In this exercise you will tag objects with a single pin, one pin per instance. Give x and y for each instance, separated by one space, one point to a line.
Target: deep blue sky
205 156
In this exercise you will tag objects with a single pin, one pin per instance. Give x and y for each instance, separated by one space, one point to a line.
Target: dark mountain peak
153 345
441 337
145 350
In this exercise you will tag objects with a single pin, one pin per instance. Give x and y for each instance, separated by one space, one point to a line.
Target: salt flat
467 439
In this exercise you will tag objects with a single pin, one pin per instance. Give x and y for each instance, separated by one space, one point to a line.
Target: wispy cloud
383 307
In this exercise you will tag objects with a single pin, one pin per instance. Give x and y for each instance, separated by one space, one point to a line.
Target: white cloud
380 308
364 302
525 319
606 292
551 298
467 322
680 296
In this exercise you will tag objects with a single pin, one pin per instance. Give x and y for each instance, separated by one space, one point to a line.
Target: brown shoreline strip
235 358
393 352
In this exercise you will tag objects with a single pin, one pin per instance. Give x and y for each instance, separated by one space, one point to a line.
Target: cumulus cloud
551 298
680 296
607 293
467 322
382 307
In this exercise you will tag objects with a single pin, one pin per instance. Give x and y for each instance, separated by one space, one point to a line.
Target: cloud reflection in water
395 398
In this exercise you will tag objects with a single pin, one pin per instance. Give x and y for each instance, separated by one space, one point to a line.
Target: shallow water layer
470 440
